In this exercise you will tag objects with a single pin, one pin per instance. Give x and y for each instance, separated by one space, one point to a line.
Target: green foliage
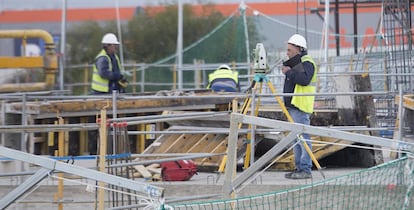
148 38
153 37
83 42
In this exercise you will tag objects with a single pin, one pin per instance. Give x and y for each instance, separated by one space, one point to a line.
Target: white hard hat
109 38
224 66
298 40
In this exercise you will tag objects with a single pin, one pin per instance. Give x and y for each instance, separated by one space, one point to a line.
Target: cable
304 29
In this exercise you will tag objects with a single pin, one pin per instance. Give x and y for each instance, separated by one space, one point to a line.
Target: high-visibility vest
305 103
99 83
221 74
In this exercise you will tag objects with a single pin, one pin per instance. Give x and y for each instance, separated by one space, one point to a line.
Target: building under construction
365 97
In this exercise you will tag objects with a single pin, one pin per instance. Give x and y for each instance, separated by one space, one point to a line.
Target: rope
198 41
305 29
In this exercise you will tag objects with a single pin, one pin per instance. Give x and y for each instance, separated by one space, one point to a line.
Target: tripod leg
249 150
243 110
285 111
280 102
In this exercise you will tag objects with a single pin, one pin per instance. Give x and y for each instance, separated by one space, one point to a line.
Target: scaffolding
397 34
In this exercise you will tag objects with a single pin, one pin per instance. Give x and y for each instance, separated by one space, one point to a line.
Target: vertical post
230 171
23 137
83 137
86 79
196 74
174 77
51 141
246 33
180 45
141 143
326 28
118 26
254 112
355 8
61 152
337 38
143 79
62 45
134 80
102 153
66 140
114 116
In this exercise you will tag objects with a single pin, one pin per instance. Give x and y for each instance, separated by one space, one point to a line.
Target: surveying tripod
261 69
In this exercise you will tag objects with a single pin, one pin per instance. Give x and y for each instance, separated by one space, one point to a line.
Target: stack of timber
150 172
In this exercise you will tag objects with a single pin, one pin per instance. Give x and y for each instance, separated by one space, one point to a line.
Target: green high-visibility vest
223 73
99 83
305 103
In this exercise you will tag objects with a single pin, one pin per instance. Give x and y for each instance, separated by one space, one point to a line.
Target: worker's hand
285 69
123 82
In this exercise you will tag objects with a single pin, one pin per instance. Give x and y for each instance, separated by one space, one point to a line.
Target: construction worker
224 79
107 74
300 77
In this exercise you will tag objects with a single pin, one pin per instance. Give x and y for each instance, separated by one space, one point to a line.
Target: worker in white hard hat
300 77
107 74
224 79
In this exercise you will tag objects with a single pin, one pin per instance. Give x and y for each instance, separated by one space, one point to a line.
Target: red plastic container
181 170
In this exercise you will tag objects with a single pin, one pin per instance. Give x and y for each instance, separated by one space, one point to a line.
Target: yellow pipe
49 59
29 33
141 142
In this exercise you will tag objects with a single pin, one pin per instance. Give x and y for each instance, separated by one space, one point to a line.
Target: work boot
288 175
300 175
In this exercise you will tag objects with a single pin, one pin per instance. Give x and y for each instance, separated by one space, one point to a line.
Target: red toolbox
181 170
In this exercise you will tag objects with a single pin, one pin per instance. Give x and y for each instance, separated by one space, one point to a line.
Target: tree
154 36
84 41
150 37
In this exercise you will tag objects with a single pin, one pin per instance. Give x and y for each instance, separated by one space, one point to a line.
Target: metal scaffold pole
180 45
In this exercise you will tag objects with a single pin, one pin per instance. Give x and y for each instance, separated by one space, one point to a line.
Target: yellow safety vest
98 83
223 73
305 103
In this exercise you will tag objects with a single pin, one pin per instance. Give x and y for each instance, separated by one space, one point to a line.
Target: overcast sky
56 4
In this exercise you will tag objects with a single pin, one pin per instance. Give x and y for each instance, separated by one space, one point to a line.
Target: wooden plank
143 171
154 165
189 142
75 105
154 170
409 101
169 143
177 145
205 137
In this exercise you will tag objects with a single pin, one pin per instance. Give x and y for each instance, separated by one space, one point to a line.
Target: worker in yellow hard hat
224 79
107 74
300 77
